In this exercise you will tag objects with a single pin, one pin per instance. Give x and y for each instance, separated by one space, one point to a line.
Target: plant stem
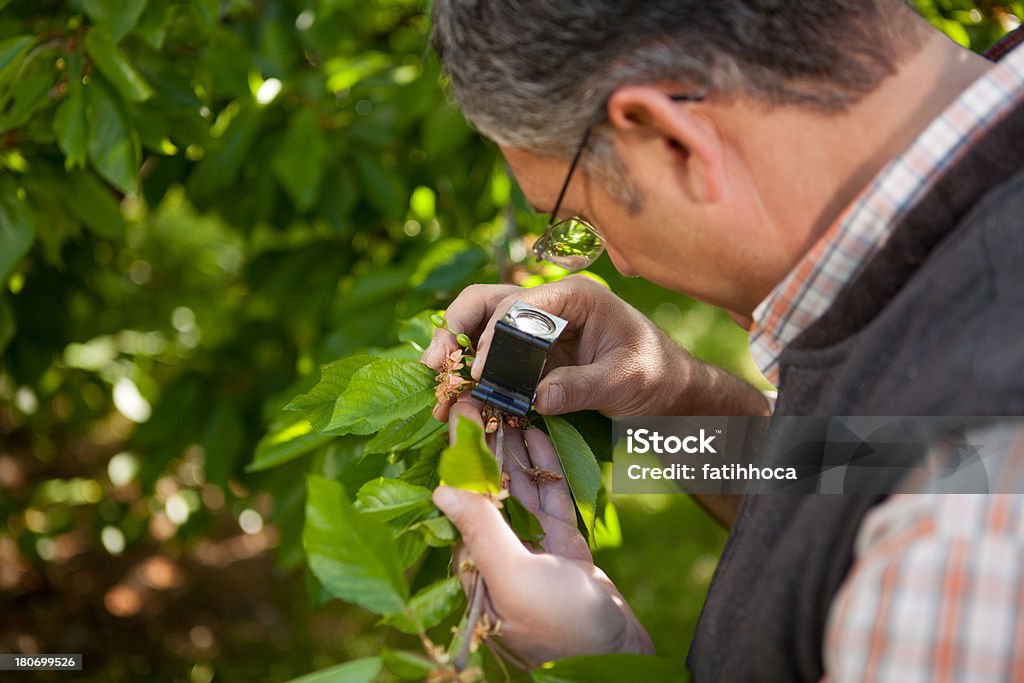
479 588
475 610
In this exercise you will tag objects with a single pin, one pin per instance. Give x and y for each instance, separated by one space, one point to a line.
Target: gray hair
535 74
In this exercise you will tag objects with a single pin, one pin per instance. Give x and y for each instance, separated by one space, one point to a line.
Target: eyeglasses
574 243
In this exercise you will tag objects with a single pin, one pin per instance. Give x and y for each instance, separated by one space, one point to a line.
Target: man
844 181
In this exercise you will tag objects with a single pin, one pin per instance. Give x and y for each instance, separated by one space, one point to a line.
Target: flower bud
463 340
439 321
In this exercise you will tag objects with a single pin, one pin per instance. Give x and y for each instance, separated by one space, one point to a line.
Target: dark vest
934 325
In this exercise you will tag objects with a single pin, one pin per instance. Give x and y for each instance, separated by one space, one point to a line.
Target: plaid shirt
864 227
936 592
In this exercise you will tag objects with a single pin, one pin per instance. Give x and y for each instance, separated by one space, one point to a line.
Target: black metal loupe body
515 361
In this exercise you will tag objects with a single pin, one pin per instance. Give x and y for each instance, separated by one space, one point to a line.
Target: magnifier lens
534 323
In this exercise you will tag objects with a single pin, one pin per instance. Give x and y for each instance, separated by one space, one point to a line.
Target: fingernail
555 397
427 351
447 500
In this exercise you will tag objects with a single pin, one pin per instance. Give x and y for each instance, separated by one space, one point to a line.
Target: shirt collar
863 228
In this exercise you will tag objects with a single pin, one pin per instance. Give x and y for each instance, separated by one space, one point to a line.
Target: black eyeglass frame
541 245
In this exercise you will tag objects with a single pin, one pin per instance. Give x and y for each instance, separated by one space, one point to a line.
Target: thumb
493 546
575 387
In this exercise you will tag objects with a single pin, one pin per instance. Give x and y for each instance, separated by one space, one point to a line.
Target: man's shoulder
999 217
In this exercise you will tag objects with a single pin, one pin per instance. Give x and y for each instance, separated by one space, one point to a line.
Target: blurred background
202 201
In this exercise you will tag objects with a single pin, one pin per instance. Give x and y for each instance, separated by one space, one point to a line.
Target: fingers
494 547
466 315
573 298
555 498
467 407
516 458
578 387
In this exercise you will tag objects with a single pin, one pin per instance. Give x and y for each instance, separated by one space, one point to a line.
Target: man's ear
689 138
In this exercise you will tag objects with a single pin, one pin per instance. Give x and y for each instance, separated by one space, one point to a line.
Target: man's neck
815 164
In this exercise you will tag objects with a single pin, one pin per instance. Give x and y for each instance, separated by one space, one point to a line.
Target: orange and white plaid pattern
936 591
936 594
864 227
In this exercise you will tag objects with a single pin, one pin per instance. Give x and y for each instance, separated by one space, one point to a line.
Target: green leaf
111 149
423 472
409 548
70 126
609 668
28 94
298 162
390 499
384 189
358 671
17 227
208 11
430 606
523 522
12 51
319 403
222 442
437 532
290 437
419 329
219 169
596 430
608 531
406 433
408 666
581 469
118 17
92 203
116 66
351 554
8 325
152 25
468 463
382 392
446 265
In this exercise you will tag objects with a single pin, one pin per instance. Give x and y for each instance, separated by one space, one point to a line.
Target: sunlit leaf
429 606
358 671
350 553
380 393
582 472
112 150
116 66
468 463
437 532
393 499
318 404
289 438
446 264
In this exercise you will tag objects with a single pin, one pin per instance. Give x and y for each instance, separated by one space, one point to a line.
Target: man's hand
611 358
551 602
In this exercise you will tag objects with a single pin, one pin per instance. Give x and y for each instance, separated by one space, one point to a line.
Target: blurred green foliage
202 201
